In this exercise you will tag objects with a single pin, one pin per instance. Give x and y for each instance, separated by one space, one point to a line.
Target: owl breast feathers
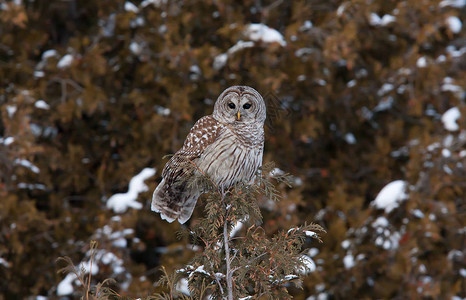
226 147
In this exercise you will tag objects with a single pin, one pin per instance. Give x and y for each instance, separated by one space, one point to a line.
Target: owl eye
247 106
231 105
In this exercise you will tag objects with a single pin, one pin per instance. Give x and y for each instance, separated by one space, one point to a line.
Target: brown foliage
136 83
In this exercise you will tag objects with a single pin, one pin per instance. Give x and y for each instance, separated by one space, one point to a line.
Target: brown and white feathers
226 146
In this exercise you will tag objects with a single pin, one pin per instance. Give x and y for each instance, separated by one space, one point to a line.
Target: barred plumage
226 146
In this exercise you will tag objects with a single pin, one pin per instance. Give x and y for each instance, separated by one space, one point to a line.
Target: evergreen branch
232 267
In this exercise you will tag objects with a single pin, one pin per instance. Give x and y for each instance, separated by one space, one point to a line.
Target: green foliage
257 265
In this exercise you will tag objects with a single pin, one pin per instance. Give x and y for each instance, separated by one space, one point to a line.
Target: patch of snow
86 265
448 140
292 229
375 20
455 255
441 58
422 269
221 59
65 61
248 297
454 24
341 9
446 152
380 222
463 272
49 53
345 244
156 3
291 277
455 53
131 7
391 195
417 213
276 172
108 26
120 243
386 87
199 269
388 241
308 265
350 139
137 22
313 252
321 82
239 46
310 233
297 181
301 77
39 74
306 26
135 48
348 261
433 146
122 201
7 141
31 186
453 3
195 71
448 86
303 51
163 111
11 110
385 104
386 245
447 169
65 287
261 32
4 263
351 83
379 241
108 257
238 226
394 240
449 119
421 62
27 164
41 104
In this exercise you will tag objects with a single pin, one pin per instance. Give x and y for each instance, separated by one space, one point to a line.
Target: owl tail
174 203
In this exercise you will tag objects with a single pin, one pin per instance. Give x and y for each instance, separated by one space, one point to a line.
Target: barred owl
226 146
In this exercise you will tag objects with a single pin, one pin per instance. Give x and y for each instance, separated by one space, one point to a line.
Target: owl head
240 104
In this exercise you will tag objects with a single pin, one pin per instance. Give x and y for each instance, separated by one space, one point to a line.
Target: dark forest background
356 94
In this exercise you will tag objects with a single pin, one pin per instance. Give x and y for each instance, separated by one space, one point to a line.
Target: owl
226 147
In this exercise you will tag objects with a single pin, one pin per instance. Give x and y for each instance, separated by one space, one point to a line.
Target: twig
229 277
219 285
93 246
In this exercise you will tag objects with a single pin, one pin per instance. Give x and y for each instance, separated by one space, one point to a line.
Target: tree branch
226 241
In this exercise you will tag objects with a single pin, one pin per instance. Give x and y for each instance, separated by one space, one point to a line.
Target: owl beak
238 115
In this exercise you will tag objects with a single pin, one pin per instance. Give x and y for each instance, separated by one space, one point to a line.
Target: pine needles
100 291
231 266
253 265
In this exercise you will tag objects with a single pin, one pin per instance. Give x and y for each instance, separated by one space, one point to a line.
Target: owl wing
202 134
173 198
